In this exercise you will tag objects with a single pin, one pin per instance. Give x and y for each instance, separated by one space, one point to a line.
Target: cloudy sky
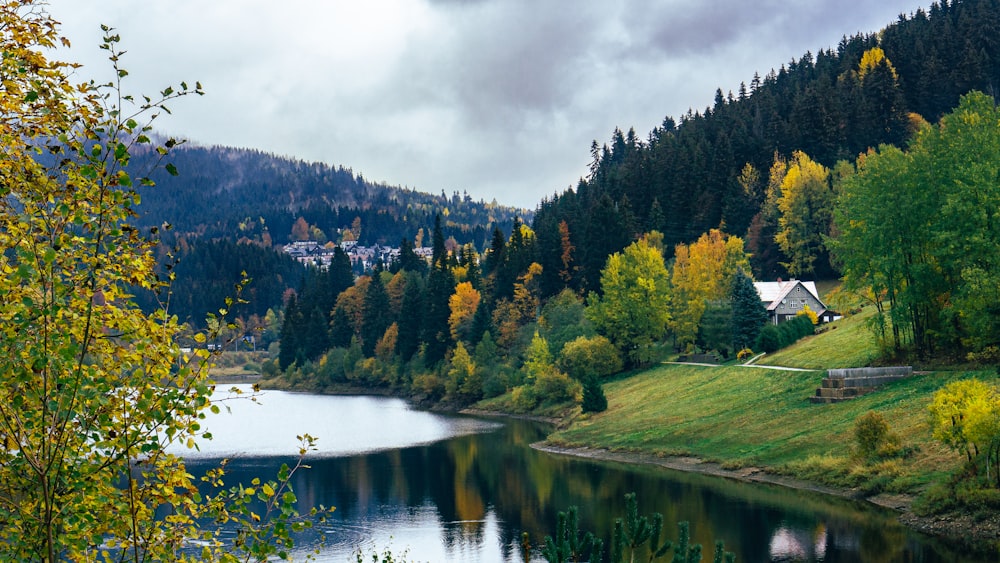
500 98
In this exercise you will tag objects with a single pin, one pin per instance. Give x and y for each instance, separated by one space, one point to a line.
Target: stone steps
846 384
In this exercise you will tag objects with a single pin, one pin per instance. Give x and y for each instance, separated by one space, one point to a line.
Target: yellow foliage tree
806 206
872 58
463 304
703 271
949 411
92 389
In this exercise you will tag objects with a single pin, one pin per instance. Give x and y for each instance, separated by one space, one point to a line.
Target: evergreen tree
315 338
408 260
341 328
439 252
410 314
376 315
341 276
290 330
749 313
436 332
594 399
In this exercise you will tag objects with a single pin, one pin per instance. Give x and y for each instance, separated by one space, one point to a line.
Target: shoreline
960 528
981 534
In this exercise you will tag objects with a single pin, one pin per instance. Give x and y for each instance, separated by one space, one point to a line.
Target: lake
462 489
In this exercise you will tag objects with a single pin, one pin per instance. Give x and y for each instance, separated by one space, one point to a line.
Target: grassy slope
744 416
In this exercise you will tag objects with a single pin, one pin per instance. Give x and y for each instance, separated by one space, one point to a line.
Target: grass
841 344
742 416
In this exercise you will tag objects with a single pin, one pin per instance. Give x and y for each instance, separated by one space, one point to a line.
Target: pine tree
749 314
594 399
341 328
436 332
410 315
315 338
290 330
376 316
341 275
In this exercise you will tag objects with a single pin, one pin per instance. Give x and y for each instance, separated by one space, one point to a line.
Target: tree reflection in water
468 498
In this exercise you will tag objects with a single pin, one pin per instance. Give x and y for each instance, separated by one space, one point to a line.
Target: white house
784 299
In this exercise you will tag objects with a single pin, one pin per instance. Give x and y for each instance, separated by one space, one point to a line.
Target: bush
524 398
555 387
494 384
775 337
429 384
769 339
587 357
873 438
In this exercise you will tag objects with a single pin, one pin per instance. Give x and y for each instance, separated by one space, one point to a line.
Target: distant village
363 258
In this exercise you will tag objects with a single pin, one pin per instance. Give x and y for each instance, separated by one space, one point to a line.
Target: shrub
807 312
872 436
554 387
524 398
769 339
429 384
587 357
494 384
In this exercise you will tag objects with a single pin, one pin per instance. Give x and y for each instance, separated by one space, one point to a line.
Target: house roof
773 292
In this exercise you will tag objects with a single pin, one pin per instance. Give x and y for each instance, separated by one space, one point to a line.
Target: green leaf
171 169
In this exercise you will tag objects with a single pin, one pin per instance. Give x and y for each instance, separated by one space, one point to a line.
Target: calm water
449 488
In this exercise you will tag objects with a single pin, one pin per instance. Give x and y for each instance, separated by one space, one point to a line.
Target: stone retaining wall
845 384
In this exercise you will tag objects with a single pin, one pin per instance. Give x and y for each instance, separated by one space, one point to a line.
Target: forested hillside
654 251
230 209
222 192
709 168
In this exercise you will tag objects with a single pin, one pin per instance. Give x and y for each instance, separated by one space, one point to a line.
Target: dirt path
780 368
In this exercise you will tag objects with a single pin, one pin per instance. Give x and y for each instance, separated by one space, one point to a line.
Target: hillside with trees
715 168
653 253
230 210
243 194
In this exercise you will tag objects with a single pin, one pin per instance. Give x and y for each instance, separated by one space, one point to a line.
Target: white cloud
497 97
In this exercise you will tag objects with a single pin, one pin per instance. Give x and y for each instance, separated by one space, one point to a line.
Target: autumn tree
632 309
92 389
464 382
300 230
965 416
463 304
702 272
806 206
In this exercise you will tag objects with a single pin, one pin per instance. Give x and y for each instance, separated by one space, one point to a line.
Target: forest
248 195
651 254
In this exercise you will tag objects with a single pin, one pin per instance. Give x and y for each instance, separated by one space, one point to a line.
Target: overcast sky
500 98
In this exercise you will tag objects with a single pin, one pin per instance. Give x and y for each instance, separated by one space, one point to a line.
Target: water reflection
467 498
268 424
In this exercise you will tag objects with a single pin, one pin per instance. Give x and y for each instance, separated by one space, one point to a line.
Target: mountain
231 193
